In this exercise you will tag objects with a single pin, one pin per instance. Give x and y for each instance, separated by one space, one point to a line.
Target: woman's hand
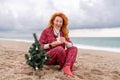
55 43
63 40
60 41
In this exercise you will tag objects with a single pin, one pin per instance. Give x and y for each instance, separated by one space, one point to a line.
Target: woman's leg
57 55
71 54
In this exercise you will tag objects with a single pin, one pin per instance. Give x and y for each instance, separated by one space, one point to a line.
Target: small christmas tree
37 57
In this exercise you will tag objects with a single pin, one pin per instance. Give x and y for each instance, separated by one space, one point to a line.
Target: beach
90 64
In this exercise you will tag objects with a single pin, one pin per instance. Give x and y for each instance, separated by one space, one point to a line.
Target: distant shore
90 64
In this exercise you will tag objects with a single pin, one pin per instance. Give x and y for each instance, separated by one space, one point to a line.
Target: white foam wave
20 40
97 48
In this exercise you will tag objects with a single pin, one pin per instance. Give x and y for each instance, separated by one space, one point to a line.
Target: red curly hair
64 28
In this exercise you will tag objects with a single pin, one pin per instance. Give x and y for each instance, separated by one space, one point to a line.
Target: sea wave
98 48
77 45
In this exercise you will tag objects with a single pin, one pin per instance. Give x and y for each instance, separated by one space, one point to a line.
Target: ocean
94 43
97 43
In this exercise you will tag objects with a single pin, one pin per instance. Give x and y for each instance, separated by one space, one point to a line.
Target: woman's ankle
73 68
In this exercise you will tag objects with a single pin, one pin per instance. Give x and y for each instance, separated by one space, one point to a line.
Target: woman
55 41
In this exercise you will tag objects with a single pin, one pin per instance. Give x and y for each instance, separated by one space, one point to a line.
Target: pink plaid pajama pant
62 57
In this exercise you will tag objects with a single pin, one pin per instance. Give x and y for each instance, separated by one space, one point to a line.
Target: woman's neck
56 29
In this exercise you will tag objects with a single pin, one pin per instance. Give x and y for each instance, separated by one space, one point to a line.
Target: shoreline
79 46
109 49
90 64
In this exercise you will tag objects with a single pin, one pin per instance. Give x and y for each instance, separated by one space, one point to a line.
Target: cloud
28 16
105 32
100 13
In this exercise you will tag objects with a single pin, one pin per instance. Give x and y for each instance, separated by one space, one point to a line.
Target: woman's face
58 22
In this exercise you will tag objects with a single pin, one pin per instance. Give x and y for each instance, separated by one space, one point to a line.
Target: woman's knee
60 52
73 48
60 49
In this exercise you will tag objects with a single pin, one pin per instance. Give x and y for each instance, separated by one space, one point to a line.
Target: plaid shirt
48 36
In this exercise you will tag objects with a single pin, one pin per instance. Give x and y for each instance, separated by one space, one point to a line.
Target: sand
90 64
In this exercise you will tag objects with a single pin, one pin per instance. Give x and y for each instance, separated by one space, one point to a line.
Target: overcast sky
28 16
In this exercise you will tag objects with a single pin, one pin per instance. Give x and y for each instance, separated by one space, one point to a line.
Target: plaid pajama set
58 54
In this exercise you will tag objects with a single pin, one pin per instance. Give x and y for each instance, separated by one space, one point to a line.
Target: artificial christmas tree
37 57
